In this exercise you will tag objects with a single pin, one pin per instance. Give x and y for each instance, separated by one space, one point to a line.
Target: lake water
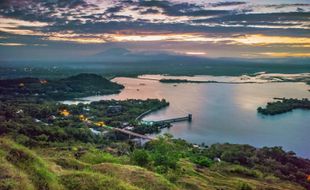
225 112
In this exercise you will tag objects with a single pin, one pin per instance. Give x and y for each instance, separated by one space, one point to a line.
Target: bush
244 186
245 172
97 157
201 161
140 157
88 180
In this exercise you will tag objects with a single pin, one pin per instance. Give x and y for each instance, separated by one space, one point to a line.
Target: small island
284 105
183 81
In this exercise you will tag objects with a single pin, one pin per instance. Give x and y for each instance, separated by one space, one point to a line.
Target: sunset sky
35 29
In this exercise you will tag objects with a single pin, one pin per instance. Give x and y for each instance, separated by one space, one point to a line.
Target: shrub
245 172
201 161
140 157
244 186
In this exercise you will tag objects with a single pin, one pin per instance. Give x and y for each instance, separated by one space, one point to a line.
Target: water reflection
226 112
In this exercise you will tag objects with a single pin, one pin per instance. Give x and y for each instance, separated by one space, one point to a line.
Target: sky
48 29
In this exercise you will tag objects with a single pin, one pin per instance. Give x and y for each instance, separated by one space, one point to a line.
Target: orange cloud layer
285 54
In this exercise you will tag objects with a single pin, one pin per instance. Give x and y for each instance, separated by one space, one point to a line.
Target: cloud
119 17
21 27
264 17
65 3
280 6
114 9
293 20
82 39
261 40
285 54
227 23
228 3
181 9
150 11
83 16
300 9
12 44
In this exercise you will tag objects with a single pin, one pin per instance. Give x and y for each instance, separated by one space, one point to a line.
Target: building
112 110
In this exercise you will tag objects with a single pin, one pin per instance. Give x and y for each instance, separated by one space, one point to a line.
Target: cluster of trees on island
284 105
184 81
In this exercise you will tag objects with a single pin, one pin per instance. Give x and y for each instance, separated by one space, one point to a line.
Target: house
86 109
51 117
94 131
148 123
125 124
129 128
139 142
100 124
64 112
114 109
83 117
20 111
216 159
43 81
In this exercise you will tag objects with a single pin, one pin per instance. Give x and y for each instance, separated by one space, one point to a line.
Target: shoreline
259 78
141 116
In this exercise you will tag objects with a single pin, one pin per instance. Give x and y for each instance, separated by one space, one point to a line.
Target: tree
140 157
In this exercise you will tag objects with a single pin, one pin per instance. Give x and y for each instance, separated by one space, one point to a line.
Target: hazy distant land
120 63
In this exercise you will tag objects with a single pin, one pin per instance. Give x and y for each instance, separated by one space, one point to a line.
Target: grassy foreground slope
22 168
81 166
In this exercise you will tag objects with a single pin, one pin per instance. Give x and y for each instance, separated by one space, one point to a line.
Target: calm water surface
226 112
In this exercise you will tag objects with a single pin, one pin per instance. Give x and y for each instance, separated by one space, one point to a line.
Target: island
184 81
284 105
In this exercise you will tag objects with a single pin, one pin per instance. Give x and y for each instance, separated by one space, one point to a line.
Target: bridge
144 114
130 133
171 120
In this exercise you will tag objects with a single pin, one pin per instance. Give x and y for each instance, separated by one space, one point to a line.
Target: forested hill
80 85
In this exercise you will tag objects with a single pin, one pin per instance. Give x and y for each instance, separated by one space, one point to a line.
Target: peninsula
284 105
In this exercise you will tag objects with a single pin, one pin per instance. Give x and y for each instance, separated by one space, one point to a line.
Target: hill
77 86
81 166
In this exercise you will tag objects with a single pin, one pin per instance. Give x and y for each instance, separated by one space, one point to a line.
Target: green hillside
82 166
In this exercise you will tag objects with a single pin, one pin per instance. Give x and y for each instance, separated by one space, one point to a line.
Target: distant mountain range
120 61
113 52
124 55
